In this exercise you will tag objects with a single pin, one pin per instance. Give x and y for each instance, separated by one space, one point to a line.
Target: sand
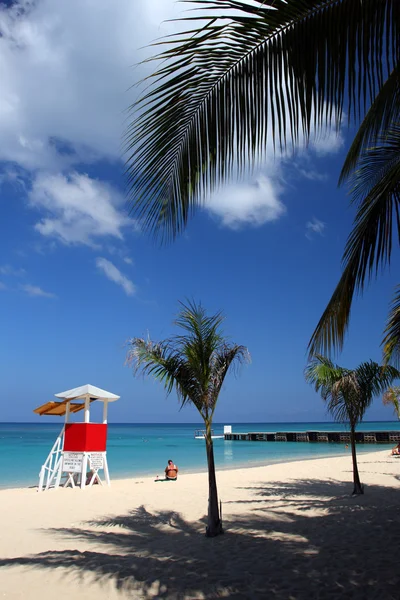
292 531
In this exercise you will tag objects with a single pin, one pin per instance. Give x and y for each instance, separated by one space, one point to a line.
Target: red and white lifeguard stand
79 446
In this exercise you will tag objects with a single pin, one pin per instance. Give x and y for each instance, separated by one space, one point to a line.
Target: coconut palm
248 71
391 397
348 394
195 364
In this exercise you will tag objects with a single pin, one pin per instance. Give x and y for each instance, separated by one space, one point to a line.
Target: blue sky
77 279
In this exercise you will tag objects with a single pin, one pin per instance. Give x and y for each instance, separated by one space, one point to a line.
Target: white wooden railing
50 473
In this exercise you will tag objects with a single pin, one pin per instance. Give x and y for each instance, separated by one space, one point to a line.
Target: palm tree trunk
358 488
214 525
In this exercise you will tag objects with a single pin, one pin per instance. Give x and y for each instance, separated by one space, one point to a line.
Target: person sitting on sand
171 471
396 450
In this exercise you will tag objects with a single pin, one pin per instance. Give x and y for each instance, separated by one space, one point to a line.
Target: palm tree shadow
275 548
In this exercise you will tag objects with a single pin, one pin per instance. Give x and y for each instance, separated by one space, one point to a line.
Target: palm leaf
384 111
243 73
391 397
193 364
348 393
391 340
376 187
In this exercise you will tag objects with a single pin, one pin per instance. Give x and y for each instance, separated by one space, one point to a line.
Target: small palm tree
195 364
349 393
391 397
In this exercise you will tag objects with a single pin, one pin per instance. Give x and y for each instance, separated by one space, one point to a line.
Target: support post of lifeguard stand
105 407
87 409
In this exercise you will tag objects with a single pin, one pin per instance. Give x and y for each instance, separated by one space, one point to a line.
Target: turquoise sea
143 449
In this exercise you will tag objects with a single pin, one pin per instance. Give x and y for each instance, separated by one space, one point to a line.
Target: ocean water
143 449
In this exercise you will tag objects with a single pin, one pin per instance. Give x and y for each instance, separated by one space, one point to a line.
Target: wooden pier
340 437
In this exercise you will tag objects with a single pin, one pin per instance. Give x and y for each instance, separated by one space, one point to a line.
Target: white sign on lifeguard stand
80 445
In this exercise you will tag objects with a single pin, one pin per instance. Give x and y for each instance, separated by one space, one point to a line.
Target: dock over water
341 437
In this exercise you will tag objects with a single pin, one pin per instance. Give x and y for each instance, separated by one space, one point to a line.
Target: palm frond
374 379
391 340
376 185
194 364
161 361
384 111
245 72
348 393
391 397
222 361
321 371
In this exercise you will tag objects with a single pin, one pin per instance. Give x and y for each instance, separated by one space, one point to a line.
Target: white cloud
79 210
248 203
65 72
65 68
114 274
315 226
258 201
34 290
128 260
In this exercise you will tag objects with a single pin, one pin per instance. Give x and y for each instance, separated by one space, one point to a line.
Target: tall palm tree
348 394
248 71
391 398
195 364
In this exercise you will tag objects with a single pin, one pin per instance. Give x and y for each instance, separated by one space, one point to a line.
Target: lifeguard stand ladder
79 445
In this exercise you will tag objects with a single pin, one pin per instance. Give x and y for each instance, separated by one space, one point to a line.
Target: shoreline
238 465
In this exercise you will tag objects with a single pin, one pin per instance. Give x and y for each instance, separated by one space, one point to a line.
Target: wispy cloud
128 260
80 210
315 226
2 286
34 290
115 275
8 270
312 174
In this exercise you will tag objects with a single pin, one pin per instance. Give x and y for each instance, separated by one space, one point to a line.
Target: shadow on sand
279 551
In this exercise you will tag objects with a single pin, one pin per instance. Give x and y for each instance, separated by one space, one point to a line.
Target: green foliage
195 363
375 186
243 72
348 393
391 397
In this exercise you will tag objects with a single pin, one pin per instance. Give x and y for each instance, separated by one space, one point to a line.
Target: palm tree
349 393
195 364
391 397
245 72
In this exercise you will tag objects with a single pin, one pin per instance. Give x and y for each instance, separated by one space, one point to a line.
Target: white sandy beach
292 531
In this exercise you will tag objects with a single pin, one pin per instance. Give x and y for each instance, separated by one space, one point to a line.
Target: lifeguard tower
79 446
